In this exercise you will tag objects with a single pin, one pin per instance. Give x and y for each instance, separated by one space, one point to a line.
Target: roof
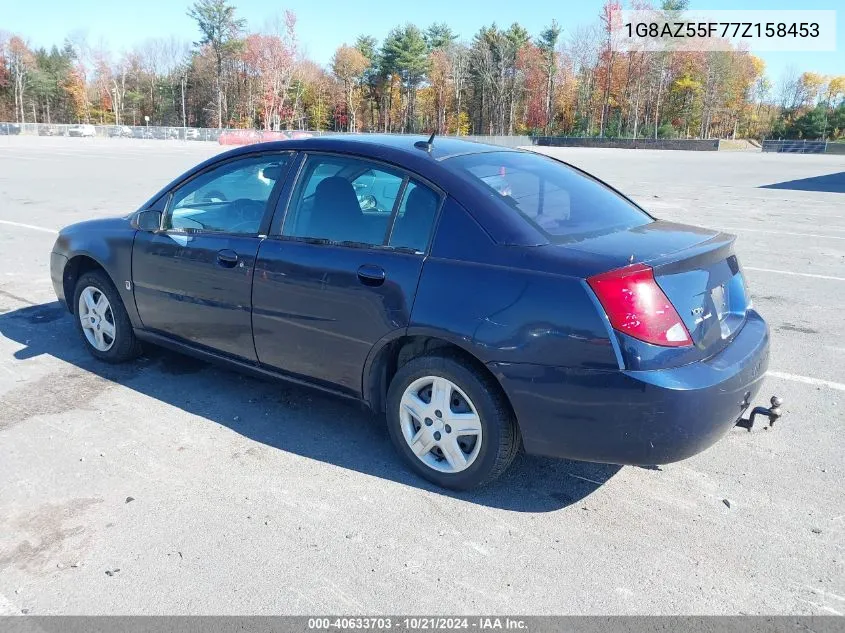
442 148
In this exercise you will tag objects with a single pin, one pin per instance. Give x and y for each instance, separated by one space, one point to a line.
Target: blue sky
324 24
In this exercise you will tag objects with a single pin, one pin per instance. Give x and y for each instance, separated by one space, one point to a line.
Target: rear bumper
637 417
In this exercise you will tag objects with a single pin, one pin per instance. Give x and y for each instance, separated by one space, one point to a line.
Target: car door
192 279
333 280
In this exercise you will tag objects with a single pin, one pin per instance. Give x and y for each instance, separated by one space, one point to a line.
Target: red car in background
247 137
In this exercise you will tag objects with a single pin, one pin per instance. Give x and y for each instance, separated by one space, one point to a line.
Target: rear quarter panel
481 296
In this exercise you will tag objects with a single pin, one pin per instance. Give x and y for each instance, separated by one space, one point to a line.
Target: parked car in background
165 133
481 298
49 130
83 129
273 135
239 137
192 134
120 131
9 129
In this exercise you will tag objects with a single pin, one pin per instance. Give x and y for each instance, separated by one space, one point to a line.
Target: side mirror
148 220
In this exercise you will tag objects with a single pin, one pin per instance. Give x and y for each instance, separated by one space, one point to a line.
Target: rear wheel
450 422
102 320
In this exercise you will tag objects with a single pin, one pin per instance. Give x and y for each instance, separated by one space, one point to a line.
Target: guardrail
699 145
165 133
795 147
225 136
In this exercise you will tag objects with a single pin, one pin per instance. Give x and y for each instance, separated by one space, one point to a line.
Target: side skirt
239 365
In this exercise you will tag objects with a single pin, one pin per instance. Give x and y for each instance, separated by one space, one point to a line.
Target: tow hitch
773 413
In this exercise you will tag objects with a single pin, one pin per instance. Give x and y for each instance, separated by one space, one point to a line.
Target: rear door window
415 218
341 199
558 200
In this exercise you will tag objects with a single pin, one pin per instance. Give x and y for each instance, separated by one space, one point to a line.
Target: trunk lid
642 243
706 285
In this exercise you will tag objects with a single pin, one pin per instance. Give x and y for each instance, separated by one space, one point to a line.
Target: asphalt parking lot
215 493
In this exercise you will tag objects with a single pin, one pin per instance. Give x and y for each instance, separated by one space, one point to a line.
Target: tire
471 392
124 346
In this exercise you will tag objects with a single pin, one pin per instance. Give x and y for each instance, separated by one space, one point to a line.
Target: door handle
371 275
227 258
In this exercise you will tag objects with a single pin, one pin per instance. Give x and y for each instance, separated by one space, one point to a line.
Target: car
192 134
84 130
49 130
481 299
10 129
120 131
239 137
273 135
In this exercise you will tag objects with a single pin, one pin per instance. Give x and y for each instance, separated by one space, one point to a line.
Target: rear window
558 200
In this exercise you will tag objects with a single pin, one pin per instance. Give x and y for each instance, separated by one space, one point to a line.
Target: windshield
558 200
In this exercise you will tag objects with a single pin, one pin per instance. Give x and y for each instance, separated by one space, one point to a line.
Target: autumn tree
270 60
21 63
547 44
440 78
459 64
220 31
371 79
348 65
405 54
529 63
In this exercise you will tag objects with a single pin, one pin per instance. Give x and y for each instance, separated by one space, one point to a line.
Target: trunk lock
773 413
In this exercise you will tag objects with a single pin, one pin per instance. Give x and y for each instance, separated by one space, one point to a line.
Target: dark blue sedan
481 298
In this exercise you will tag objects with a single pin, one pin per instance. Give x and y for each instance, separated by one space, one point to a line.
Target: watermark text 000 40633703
723 30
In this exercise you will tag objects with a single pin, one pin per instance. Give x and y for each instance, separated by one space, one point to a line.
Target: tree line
501 80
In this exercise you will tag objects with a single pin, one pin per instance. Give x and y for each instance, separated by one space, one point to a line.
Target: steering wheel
249 212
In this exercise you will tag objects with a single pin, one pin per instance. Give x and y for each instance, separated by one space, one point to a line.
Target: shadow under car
266 412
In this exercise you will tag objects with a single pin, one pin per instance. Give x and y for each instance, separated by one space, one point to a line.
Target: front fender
98 243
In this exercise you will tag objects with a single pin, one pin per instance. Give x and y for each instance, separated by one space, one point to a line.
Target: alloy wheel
96 317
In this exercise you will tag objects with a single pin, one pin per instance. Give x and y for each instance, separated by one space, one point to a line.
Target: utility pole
184 119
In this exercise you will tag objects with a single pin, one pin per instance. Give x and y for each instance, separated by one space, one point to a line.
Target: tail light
636 306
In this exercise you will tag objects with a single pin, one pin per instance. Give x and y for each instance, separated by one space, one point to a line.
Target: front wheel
102 320
450 421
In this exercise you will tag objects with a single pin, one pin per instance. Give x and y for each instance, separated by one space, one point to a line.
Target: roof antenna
426 145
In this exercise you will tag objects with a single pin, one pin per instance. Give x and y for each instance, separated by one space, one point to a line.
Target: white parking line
827 237
790 272
29 226
769 213
807 380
